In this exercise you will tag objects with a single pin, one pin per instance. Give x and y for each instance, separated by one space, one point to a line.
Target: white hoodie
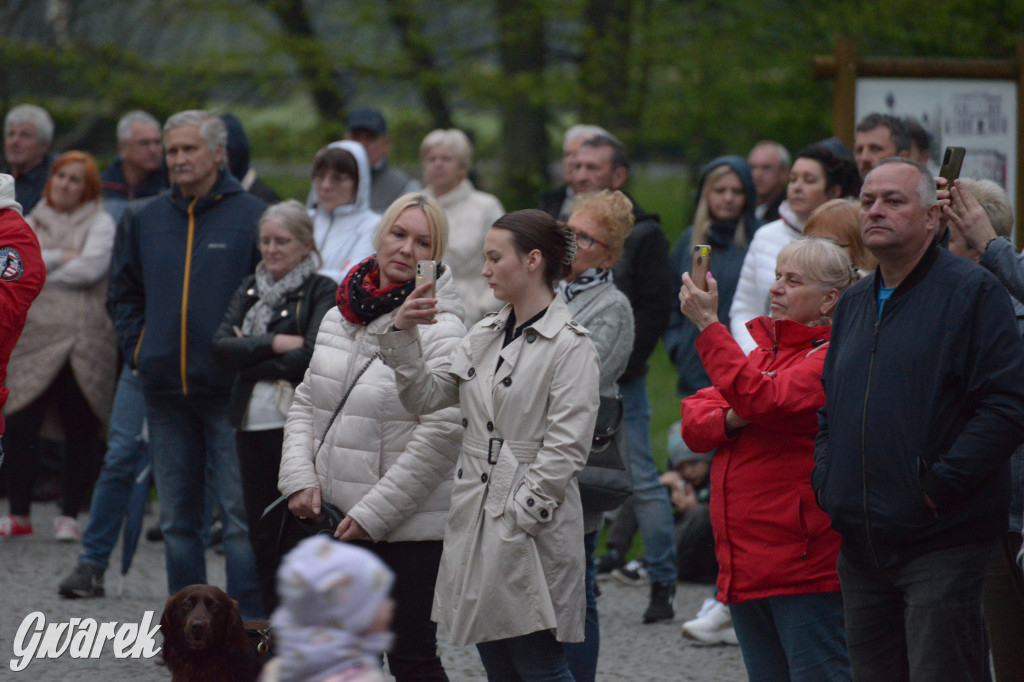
7 194
344 236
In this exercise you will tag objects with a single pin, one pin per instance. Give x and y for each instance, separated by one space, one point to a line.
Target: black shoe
84 582
608 563
154 534
662 605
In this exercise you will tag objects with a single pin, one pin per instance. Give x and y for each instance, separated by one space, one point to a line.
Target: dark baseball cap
367 119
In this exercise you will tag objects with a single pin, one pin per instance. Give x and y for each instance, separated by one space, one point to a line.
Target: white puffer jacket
390 470
757 276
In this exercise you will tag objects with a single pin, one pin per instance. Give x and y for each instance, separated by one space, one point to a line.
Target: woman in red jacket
775 550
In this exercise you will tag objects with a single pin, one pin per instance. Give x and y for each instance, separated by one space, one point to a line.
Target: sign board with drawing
979 115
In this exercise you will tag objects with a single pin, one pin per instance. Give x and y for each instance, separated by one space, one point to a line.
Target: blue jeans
536 657
792 637
114 485
582 656
186 433
651 503
918 620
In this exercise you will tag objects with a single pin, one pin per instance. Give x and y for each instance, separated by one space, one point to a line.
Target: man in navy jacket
924 385
185 253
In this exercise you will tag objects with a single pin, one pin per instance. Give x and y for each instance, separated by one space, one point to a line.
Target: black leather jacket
252 357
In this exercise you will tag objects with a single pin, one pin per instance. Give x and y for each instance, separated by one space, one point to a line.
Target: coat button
483 478
250 292
507 381
284 313
543 513
530 338
530 502
472 371
465 422
460 472
490 426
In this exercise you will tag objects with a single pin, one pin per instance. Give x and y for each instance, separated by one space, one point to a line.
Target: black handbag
606 481
294 529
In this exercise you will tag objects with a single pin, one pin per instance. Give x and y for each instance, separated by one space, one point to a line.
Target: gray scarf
272 294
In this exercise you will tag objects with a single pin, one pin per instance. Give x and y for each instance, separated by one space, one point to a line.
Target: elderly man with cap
368 128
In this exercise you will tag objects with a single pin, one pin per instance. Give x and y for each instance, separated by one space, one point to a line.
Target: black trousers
85 447
414 655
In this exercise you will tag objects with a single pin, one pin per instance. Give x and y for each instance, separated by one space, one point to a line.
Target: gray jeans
920 620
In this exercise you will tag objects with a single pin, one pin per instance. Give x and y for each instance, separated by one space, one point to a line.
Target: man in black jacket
643 273
924 386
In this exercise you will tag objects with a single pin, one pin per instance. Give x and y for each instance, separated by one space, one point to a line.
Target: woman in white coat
512 572
389 471
343 224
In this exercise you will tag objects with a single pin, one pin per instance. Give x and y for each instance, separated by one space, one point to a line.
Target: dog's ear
168 618
170 653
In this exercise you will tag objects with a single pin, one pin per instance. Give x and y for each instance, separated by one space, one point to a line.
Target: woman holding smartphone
512 573
388 470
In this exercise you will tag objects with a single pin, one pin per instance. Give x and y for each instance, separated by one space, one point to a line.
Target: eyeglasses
586 241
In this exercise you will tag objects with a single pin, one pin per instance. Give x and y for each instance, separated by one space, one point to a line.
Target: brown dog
205 638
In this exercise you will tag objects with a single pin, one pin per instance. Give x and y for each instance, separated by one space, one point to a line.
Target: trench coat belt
503 465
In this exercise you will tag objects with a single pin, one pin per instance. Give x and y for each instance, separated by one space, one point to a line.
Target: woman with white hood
343 223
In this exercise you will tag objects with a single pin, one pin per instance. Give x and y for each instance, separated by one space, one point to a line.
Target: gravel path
31 568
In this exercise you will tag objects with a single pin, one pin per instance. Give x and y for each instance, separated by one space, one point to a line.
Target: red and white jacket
22 274
771 538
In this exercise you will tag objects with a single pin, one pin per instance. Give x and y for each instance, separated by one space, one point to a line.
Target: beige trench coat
513 560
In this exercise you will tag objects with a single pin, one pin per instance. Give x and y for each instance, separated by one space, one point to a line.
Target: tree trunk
524 140
604 70
412 34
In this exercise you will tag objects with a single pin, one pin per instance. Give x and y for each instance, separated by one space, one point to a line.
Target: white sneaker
706 607
713 627
65 529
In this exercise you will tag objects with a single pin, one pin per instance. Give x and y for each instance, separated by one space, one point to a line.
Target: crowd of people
848 472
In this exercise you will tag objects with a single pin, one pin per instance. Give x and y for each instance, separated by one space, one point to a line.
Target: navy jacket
927 400
157 284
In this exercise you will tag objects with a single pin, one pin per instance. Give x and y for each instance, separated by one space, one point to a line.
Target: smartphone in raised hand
952 160
700 264
426 271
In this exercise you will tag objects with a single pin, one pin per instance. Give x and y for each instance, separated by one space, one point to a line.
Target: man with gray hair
558 202
924 404
138 170
184 254
769 167
28 134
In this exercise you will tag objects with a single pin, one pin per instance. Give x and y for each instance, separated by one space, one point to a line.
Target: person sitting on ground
689 487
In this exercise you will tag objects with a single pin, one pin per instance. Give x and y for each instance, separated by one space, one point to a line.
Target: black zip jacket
253 357
928 400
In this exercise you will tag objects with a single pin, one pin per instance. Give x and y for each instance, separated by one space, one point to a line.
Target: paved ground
31 568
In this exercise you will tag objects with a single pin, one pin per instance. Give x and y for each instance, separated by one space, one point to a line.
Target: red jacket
22 274
770 536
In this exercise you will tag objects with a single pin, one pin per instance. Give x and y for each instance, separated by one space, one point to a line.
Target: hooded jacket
388 469
344 236
758 273
117 193
238 150
181 261
771 538
726 262
926 399
22 274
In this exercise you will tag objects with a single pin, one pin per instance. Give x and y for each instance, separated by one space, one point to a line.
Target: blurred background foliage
680 81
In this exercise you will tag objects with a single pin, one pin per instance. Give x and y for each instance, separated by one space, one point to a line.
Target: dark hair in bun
534 229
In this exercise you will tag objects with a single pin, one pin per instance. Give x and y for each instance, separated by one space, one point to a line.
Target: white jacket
344 236
757 276
388 469
470 215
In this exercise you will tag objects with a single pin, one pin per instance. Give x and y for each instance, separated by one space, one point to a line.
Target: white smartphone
426 271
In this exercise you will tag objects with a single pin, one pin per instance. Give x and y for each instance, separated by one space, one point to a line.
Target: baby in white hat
332 622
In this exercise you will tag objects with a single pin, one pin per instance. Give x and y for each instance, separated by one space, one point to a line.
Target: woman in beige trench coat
511 576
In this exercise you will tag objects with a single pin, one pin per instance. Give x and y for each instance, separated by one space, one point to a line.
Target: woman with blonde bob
839 221
776 551
388 470
267 339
